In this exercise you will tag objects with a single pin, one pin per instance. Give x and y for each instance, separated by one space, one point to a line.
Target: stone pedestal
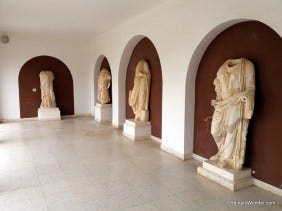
137 130
231 179
49 114
103 113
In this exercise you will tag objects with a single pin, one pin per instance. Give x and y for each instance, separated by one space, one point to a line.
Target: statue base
231 179
49 114
103 113
136 130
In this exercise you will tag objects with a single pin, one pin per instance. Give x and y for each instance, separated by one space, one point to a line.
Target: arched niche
102 62
29 85
146 50
119 118
263 46
191 78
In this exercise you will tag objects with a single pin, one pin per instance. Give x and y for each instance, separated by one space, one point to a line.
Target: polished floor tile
78 164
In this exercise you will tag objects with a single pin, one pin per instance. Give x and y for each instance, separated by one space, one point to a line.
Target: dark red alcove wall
29 79
263 46
146 50
105 64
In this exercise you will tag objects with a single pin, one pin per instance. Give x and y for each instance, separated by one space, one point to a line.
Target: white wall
176 28
74 53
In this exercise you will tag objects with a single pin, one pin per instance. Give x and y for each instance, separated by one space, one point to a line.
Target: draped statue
233 107
47 93
139 95
104 82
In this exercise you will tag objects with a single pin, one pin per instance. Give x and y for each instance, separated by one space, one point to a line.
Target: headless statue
47 92
139 95
233 107
104 82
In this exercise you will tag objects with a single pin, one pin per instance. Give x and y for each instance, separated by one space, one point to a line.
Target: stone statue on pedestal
233 107
139 95
47 93
104 82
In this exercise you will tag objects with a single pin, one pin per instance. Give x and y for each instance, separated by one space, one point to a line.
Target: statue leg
231 137
216 131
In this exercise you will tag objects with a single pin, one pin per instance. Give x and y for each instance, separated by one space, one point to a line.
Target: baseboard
267 187
117 125
154 138
4 120
77 115
18 119
102 121
176 154
199 158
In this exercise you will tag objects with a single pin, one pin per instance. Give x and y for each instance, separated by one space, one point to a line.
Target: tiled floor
78 164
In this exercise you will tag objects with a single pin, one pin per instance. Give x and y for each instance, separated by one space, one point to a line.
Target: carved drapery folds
139 95
104 83
233 107
47 92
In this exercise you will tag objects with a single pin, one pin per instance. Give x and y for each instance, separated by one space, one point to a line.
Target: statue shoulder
221 69
249 67
249 64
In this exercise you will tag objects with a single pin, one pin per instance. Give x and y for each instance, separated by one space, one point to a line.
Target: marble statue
233 107
47 93
104 82
139 95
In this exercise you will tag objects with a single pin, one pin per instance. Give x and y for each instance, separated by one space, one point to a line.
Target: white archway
191 81
126 54
96 72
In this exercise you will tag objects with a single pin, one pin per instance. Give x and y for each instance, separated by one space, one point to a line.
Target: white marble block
231 179
49 114
103 112
137 130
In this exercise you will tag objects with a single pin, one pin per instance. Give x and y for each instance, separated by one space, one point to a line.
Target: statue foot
222 164
214 158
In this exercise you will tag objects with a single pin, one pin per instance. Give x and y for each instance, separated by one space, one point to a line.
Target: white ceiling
81 17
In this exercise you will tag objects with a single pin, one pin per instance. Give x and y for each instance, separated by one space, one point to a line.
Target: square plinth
136 130
103 112
49 114
231 179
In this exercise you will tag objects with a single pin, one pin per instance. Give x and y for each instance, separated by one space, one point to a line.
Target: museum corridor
79 164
